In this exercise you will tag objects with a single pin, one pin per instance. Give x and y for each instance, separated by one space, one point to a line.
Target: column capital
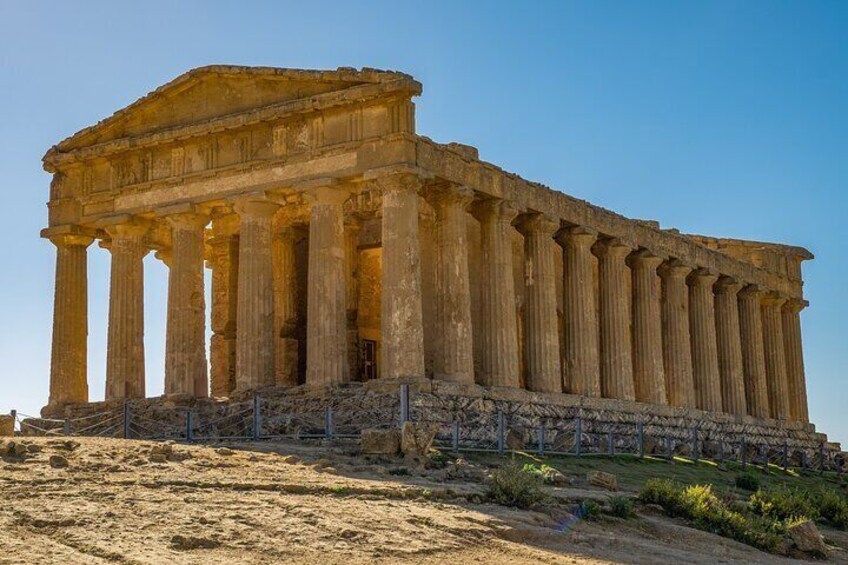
446 194
727 285
674 269
614 247
120 227
494 208
332 195
773 299
541 224
702 277
751 291
255 207
644 258
68 235
225 226
396 181
578 236
795 305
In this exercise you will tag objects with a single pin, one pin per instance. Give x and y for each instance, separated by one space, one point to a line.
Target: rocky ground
104 500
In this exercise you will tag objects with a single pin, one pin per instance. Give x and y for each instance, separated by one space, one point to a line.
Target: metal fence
501 432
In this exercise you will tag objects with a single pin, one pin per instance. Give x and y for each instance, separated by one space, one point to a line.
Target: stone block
380 442
416 438
603 480
7 426
807 539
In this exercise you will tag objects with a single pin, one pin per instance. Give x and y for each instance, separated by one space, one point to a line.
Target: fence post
501 433
744 453
540 439
328 423
640 428
578 436
404 403
610 444
126 420
668 451
66 427
188 426
455 436
257 418
695 454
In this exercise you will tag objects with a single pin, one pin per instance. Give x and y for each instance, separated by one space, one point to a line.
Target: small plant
784 504
513 485
833 508
621 506
588 510
748 481
545 473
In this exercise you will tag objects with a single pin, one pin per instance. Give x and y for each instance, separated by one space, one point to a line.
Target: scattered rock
380 442
33 448
416 439
553 477
224 451
291 460
156 457
807 539
186 543
58 462
603 480
18 450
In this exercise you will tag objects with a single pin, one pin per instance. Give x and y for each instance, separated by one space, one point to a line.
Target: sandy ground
294 504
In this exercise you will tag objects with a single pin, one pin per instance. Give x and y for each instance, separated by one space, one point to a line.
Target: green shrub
833 508
704 510
588 509
513 485
621 506
748 481
784 504
545 473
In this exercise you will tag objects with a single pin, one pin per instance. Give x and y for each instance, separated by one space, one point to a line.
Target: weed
588 510
748 481
513 485
621 506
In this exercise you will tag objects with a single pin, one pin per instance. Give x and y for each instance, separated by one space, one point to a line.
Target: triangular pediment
212 92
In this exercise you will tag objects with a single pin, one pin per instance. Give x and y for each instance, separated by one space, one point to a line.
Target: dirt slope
295 504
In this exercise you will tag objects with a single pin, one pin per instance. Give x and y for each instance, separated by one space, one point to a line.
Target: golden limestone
344 246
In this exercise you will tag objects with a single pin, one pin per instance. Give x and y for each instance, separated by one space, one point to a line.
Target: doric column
753 352
326 328
185 350
648 374
352 230
702 330
677 345
499 363
68 370
224 262
541 334
778 386
125 345
615 311
729 343
256 336
581 369
795 360
454 347
402 321
285 303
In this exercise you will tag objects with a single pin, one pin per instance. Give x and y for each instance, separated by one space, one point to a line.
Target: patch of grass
513 485
704 510
588 510
621 506
795 503
833 508
748 481
545 473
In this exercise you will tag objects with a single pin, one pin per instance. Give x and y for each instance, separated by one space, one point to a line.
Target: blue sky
722 118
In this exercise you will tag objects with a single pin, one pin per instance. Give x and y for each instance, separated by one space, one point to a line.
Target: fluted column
778 386
648 373
125 345
499 364
676 341
702 330
615 311
326 329
352 229
753 352
541 334
256 336
185 350
729 343
581 369
224 258
454 346
285 305
402 325
795 360
68 369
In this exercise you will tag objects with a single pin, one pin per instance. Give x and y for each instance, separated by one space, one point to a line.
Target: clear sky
721 118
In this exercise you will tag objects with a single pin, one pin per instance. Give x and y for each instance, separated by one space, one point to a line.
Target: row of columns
658 331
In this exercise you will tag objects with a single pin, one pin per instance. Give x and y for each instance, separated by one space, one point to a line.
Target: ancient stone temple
344 246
